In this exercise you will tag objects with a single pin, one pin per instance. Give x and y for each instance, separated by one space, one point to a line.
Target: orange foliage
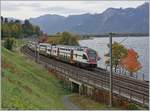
130 62
43 39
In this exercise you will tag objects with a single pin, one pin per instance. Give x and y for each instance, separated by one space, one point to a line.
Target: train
75 55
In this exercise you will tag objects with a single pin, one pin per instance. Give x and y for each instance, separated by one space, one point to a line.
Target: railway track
140 85
99 77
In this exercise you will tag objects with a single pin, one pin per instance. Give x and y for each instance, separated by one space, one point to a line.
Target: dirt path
68 104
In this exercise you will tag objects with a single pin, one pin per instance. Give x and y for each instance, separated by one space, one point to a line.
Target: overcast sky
28 9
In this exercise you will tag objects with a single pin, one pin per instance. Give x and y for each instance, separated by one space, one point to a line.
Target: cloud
60 10
27 9
9 7
14 6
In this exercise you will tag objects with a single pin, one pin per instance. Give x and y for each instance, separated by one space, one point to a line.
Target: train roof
44 44
62 46
70 47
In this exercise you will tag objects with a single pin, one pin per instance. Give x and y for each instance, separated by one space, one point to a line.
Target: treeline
18 29
84 36
64 38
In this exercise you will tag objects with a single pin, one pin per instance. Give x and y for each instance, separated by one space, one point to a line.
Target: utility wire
124 39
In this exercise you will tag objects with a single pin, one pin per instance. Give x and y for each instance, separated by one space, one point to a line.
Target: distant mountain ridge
129 20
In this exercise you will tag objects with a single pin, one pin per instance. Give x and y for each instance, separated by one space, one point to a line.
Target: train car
81 56
42 48
32 45
77 55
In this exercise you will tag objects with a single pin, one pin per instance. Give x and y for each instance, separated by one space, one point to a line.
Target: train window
81 49
91 53
84 57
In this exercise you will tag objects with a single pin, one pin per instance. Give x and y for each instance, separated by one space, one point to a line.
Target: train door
57 53
71 57
51 51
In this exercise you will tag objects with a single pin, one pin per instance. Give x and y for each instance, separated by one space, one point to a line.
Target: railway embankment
27 85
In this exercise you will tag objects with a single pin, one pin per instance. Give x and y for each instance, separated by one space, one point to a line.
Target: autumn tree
130 62
43 38
118 52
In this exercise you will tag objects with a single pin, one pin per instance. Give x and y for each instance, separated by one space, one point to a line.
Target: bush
9 43
132 106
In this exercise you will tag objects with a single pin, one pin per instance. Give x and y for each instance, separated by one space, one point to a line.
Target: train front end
92 57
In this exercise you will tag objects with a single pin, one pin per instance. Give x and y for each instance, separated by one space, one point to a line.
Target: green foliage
18 30
9 43
132 106
5 30
27 85
118 52
64 38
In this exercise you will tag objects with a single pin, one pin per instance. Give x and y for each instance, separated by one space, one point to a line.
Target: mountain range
128 20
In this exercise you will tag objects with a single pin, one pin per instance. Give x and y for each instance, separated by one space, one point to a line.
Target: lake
139 44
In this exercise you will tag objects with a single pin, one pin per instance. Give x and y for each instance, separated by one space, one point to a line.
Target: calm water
139 44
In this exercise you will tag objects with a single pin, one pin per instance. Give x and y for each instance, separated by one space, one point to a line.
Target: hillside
129 20
27 85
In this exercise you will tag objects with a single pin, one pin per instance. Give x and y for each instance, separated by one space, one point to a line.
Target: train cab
91 56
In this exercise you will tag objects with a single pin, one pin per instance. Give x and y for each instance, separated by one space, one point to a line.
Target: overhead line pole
111 74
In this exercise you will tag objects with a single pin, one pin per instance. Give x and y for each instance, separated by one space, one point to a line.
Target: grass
27 85
86 103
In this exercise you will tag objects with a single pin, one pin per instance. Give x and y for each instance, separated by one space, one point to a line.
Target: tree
26 22
9 43
27 28
64 38
6 20
2 19
14 28
130 62
118 51
17 22
36 30
43 38
6 31
11 21
67 38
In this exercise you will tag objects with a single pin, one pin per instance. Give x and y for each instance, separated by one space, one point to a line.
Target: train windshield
91 53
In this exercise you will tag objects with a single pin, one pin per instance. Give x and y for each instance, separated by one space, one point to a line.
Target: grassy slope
26 85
